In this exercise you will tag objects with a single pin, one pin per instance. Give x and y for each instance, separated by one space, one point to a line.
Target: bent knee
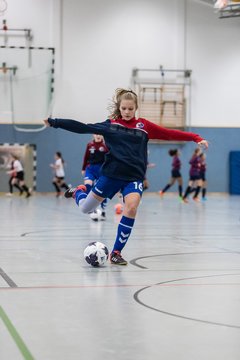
131 210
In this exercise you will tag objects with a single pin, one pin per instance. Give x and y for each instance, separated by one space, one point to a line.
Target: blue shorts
92 172
107 187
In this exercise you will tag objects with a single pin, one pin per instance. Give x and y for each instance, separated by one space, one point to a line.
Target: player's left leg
132 196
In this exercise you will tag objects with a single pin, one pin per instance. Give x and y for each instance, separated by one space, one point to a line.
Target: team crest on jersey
139 125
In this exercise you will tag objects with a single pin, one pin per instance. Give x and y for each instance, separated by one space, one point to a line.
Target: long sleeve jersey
176 163
94 154
195 166
126 141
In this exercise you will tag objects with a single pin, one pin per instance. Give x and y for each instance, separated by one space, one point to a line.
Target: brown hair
173 152
121 94
197 151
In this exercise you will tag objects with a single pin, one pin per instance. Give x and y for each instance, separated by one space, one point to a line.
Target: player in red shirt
93 159
176 175
194 183
203 175
125 164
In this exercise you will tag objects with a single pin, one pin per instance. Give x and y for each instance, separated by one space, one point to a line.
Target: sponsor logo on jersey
140 125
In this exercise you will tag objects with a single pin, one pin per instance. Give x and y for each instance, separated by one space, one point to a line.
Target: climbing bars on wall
164 95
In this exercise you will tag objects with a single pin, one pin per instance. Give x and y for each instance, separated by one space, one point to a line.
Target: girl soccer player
58 180
18 176
11 181
176 175
195 182
126 162
203 168
92 162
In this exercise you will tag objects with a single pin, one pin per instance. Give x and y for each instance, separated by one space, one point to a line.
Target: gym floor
178 298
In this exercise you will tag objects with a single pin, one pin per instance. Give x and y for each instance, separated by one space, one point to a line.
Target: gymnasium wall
72 146
98 43
103 41
213 53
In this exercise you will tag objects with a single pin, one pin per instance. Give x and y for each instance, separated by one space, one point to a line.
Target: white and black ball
96 254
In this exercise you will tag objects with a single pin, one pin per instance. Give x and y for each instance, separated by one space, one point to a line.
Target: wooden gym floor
178 299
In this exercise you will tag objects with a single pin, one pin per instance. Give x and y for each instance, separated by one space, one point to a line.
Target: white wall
103 41
30 84
36 15
213 52
98 43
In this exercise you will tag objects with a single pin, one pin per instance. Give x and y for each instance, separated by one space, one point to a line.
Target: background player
18 176
195 182
203 168
92 162
176 175
58 180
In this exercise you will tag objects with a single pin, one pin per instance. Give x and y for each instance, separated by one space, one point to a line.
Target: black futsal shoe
117 259
70 193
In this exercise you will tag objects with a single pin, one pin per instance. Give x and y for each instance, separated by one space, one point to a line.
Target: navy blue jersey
127 143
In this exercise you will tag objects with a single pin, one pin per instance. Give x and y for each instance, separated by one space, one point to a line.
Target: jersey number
138 185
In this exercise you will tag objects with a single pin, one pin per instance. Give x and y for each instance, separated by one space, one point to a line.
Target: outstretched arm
158 132
77 126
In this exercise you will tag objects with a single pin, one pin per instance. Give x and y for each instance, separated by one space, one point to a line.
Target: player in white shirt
18 175
58 180
12 175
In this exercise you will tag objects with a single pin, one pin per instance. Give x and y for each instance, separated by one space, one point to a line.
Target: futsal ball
96 215
96 253
118 208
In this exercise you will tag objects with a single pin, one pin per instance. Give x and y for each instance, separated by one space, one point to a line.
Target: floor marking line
15 335
135 260
8 280
52 287
140 302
